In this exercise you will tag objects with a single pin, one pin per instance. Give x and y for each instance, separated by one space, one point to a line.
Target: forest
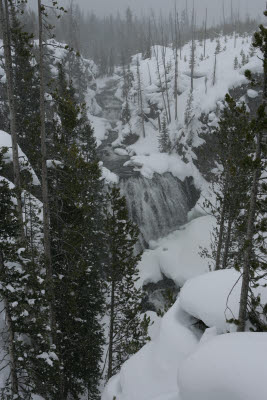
133 203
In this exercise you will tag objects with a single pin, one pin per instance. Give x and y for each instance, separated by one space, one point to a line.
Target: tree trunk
176 68
249 240
141 99
205 32
46 211
111 331
192 52
4 22
160 83
227 242
11 338
221 229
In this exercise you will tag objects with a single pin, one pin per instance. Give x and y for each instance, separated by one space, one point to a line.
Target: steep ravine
159 205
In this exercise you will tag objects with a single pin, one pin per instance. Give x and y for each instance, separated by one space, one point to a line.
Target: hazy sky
105 7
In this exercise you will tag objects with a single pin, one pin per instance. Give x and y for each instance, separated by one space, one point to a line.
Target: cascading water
158 205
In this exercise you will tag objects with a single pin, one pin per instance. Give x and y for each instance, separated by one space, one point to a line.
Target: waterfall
158 205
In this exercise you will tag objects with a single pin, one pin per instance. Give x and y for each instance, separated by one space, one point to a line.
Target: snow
5 142
252 94
227 367
121 152
151 373
108 176
177 256
214 298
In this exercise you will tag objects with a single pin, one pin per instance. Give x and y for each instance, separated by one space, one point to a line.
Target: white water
159 205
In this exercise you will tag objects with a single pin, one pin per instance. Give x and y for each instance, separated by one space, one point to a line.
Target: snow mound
178 255
152 372
252 94
5 141
214 298
228 367
121 152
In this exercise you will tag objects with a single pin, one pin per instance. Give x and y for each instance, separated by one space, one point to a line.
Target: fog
106 7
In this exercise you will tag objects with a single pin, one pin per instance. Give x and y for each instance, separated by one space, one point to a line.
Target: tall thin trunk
227 242
249 241
221 228
160 83
223 12
140 98
45 198
214 70
205 32
111 331
4 22
176 67
193 51
10 338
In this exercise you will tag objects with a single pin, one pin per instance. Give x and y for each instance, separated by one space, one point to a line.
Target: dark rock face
159 296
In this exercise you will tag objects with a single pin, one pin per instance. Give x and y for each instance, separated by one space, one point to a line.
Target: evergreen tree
127 330
236 63
30 357
76 230
165 144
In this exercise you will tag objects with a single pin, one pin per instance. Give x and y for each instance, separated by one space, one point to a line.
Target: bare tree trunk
111 331
10 337
214 71
223 12
193 51
249 241
176 67
221 228
205 32
163 54
227 242
45 198
160 83
4 22
141 98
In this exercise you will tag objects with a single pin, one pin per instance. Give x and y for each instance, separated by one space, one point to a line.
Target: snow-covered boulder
214 298
178 255
228 367
152 372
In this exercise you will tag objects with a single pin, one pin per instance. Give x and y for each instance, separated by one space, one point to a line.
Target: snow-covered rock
121 152
178 255
6 142
252 94
152 372
228 367
214 298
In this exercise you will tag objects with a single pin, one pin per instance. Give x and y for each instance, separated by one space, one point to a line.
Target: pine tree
126 113
188 115
25 339
76 230
127 330
252 248
165 144
236 63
